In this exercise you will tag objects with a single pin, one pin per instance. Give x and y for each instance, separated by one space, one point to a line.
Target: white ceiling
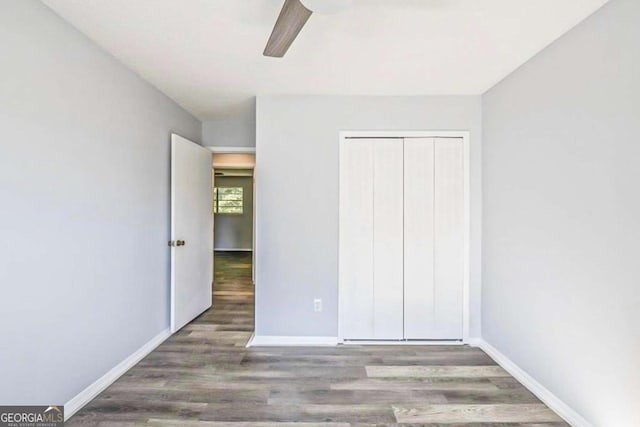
207 54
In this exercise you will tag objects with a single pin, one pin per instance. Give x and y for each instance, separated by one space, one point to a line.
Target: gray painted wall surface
561 219
235 231
84 187
297 197
232 130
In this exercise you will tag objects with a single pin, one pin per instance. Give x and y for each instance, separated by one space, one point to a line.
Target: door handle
180 243
174 243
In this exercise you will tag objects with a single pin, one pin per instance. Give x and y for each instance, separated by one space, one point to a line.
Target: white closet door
419 286
433 238
401 239
449 238
356 240
387 239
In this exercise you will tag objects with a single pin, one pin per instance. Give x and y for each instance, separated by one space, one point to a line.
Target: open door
191 231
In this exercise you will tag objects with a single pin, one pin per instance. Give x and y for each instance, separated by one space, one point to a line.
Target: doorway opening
233 187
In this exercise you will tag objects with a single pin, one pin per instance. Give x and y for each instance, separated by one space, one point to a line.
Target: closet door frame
344 137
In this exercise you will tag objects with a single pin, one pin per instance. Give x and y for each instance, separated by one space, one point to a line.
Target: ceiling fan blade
292 18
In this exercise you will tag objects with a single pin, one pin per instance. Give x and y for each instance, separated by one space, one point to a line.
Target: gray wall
234 129
84 187
235 231
297 197
561 219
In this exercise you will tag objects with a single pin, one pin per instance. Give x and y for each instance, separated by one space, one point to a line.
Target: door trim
466 138
231 150
254 258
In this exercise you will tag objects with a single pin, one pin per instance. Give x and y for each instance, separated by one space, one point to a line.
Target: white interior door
433 238
449 239
387 239
356 240
191 231
419 286
371 300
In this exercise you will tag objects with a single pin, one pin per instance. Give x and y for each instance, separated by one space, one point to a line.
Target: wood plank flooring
204 376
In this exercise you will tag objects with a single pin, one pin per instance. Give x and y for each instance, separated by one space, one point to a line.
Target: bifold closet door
356 239
419 189
371 224
433 238
387 239
449 238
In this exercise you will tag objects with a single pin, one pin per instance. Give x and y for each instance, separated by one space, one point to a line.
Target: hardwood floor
204 376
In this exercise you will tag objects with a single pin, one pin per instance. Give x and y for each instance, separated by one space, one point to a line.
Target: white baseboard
277 341
474 341
399 342
86 395
232 250
550 399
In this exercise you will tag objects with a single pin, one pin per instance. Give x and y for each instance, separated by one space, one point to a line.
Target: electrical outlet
317 305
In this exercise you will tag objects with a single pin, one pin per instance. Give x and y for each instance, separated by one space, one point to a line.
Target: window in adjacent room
228 200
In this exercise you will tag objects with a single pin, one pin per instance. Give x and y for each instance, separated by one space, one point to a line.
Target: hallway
204 375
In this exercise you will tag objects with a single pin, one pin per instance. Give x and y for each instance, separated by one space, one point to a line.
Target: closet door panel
356 240
388 238
419 287
449 238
